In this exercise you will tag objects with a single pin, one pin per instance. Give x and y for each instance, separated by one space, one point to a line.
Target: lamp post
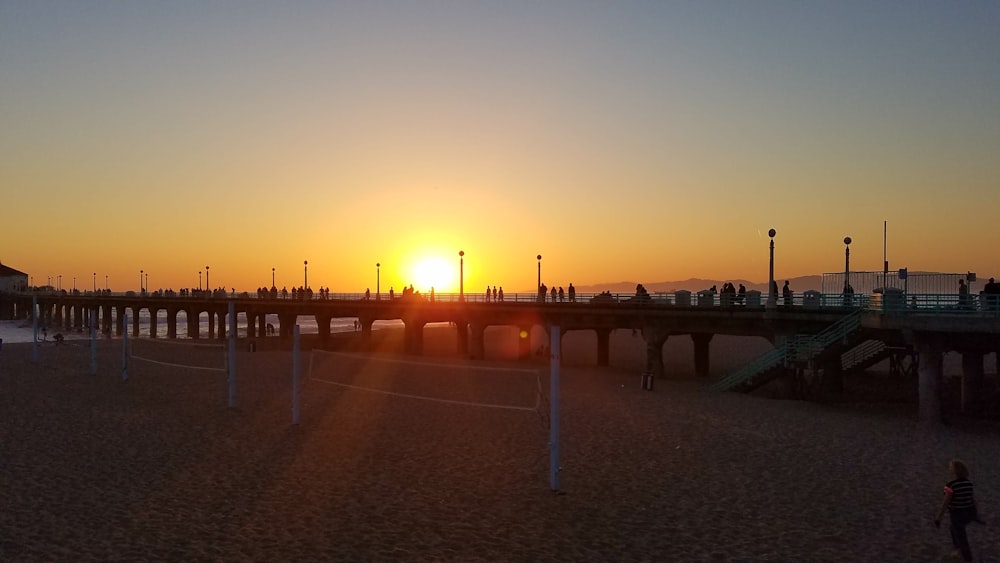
305 273
106 286
95 282
272 277
199 280
539 285
74 284
772 290
207 285
378 293
140 281
847 262
147 280
461 275
60 282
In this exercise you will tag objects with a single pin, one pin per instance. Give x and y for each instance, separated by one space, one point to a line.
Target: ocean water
307 324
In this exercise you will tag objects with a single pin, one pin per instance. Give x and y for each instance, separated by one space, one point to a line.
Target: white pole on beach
554 342
232 355
34 328
125 349
93 341
295 376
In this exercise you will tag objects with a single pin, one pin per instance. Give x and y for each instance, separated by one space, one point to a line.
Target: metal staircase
796 350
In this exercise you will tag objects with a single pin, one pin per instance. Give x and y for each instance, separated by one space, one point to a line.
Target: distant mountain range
694 285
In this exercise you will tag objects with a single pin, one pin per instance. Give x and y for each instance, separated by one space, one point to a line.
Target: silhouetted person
494 293
500 293
572 293
368 293
786 293
392 294
742 294
553 294
963 295
561 294
541 293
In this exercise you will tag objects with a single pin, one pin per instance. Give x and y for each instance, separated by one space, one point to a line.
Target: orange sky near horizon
632 142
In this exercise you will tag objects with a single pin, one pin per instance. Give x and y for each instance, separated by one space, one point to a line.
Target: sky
642 141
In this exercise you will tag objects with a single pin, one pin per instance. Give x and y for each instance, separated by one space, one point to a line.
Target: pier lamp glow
461 275
378 291
539 285
847 262
772 293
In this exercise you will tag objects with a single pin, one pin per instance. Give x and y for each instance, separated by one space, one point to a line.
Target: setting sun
436 273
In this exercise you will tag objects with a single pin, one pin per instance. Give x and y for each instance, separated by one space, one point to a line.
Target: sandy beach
399 461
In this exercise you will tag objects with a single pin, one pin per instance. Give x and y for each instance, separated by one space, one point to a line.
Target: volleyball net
177 354
456 384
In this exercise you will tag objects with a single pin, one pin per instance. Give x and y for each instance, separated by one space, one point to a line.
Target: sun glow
436 273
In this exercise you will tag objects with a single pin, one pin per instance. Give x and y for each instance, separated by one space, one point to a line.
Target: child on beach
961 506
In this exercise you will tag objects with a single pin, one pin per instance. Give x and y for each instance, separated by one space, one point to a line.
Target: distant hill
798 285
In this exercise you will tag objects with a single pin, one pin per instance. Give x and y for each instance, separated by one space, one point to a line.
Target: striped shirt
961 494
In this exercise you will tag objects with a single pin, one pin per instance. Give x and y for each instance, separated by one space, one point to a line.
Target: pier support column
223 324
211 324
119 320
323 326
413 335
171 323
286 324
523 342
701 352
153 313
462 338
477 342
929 376
655 339
135 322
972 381
194 324
366 328
603 346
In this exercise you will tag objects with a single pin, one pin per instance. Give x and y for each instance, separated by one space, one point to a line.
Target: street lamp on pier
272 277
60 282
140 281
147 281
106 286
74 284
772 289
207 286
305 273
847 263
95 282
199 280
461 275
378 292
539 285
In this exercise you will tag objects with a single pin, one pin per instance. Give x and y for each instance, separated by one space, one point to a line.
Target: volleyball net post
34 329
231 358
296 368
93 342
554 361
125 349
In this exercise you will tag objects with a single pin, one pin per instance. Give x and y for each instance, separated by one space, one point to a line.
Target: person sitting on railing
741 295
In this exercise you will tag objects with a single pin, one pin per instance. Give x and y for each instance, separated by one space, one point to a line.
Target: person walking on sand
960 503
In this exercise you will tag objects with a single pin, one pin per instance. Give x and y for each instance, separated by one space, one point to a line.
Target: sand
159 468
